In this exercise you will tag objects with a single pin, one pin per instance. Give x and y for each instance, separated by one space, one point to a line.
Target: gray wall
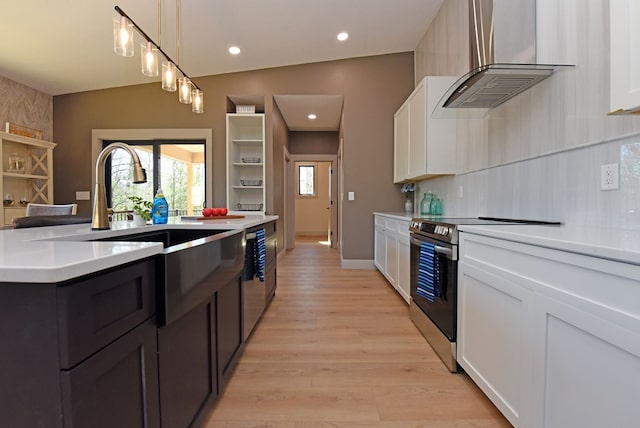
314 143
373 88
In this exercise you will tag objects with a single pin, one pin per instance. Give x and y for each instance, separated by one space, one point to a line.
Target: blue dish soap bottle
160 211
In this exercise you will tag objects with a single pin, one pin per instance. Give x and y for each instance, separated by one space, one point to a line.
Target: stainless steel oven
434 278
433 306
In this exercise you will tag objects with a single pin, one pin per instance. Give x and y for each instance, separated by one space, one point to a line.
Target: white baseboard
356 264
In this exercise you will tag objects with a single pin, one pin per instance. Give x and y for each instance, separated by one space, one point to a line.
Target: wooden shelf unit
35 184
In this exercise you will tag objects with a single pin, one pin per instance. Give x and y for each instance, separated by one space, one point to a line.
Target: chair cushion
48 220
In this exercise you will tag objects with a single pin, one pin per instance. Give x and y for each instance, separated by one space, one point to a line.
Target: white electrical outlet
609 177
460 191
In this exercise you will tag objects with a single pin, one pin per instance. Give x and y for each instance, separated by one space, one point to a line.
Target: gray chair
51 209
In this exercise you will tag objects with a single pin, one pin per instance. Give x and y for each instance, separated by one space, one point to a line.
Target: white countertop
620 244
400 215
59 253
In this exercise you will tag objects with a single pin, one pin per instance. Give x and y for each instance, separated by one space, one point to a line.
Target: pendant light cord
160 22
178 29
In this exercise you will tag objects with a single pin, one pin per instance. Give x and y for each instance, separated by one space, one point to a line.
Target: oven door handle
443 250
437 248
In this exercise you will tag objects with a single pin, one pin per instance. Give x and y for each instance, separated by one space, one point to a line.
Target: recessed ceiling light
343 36
312 116
234 50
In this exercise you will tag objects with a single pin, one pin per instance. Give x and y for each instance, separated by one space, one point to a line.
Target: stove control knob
445 231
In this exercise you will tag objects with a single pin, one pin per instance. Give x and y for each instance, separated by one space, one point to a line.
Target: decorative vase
138 220
408 206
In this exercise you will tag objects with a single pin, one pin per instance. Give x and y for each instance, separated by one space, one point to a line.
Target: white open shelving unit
245 162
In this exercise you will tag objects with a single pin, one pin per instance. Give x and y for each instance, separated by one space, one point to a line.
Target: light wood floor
336 348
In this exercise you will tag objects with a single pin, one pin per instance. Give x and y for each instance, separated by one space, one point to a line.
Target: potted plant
408 189
141 210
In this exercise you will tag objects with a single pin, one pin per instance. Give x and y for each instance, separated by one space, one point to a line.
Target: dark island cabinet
116 387
80 353
196 356
229 309
187 366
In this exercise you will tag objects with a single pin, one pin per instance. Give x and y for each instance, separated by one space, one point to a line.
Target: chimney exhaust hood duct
502 41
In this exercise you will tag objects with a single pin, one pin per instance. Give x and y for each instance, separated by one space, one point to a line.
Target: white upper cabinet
624 18
401 144
424 146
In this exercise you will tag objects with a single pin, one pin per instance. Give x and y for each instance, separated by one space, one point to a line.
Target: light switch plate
83 195
351 196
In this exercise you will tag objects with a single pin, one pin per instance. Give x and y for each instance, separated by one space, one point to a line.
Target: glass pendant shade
169 77
149 59
184 94
197 101
122 36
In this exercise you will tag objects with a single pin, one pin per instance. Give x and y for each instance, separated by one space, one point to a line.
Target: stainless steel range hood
502 41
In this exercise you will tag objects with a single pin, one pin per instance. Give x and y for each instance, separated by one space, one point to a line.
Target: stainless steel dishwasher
259 280
253 284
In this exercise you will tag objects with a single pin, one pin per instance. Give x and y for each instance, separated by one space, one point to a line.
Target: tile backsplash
564 186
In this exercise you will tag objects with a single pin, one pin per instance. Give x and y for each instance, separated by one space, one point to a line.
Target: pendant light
197 101
188 92
184 94
169 76
122 36
149 58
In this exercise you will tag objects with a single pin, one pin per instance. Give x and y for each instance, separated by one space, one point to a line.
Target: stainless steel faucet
100 214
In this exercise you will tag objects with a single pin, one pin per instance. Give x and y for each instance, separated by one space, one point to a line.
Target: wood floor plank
337 349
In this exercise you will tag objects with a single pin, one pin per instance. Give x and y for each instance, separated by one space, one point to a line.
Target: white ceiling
66 46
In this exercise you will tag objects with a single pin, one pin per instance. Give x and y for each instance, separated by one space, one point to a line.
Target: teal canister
435 208
425 204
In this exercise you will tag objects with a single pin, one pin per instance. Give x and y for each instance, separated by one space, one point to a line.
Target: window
306 180
175 166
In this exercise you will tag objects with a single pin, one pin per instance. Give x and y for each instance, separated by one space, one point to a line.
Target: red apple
207 212
215 211
223 211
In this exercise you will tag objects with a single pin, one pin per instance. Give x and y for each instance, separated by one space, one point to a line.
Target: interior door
332 208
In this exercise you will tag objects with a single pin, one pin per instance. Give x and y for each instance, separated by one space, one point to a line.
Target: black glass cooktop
446 228
482 221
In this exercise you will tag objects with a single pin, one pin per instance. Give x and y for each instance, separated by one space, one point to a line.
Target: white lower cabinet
403 285
491 337
551 337
380 244
391 252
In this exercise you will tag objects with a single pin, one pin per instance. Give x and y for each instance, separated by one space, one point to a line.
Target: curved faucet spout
100 217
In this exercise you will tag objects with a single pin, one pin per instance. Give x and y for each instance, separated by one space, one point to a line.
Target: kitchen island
143 331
